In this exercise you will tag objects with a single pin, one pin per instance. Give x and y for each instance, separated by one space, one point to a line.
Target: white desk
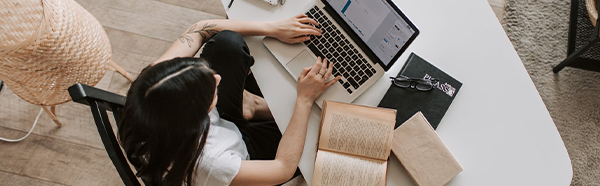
497 127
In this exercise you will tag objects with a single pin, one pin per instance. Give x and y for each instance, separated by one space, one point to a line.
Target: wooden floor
139 31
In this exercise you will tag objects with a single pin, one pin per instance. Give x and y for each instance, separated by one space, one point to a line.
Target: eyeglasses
416 83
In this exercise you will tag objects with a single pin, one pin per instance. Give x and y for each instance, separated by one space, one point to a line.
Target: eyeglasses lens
402 82
424 85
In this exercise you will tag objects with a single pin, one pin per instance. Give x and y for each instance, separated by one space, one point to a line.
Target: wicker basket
47 46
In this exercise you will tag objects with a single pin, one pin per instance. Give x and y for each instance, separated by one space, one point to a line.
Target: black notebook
433 103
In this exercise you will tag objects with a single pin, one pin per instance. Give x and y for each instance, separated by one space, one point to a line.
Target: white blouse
222 154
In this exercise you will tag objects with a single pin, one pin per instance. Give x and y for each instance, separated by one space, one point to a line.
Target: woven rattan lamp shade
47 46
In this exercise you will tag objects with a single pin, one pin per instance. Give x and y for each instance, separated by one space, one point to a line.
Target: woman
186 120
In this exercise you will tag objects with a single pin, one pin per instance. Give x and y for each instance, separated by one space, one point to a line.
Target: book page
339 169
357 130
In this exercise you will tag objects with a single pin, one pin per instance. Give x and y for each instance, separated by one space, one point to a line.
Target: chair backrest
100 102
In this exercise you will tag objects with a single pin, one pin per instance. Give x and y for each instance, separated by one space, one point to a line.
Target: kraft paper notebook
423 154
354 145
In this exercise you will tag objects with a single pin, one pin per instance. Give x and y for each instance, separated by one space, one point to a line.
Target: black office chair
583 46
100 102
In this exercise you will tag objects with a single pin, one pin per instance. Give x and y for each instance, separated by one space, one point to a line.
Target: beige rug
538 30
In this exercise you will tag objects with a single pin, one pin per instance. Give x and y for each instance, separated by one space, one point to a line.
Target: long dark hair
165 120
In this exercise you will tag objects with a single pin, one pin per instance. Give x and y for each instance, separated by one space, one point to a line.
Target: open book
354 145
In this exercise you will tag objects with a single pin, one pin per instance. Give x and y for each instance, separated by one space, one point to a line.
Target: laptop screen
376 22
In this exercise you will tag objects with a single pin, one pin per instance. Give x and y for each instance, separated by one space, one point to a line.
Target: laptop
362 38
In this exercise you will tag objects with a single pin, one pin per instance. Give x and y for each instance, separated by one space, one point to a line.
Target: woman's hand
294 29
313 81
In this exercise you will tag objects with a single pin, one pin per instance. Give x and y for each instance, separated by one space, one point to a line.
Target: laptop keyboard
332 44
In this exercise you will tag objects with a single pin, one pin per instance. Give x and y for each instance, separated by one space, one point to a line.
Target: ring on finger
322 75
322 72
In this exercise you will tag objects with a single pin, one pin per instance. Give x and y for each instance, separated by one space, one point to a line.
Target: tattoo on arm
206 32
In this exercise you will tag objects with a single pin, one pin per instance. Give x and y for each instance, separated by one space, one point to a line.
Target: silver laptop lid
384 31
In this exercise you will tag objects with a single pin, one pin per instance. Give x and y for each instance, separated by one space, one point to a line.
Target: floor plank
133 52
149 18
7 178
209 6
57 161
498 8
136 43
79 127
132 62
498 3
78 124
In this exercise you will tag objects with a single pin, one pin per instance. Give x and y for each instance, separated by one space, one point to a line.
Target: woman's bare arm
270 172
291 30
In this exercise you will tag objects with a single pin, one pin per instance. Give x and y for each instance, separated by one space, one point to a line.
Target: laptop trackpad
301 61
